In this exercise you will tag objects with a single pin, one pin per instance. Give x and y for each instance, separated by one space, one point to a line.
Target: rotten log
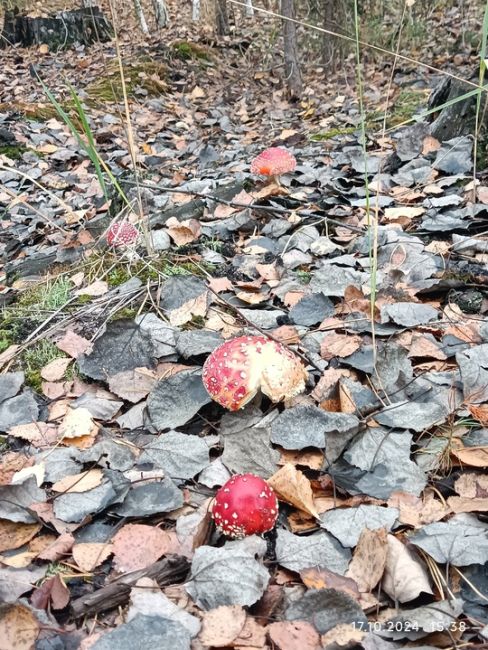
85 26
172 569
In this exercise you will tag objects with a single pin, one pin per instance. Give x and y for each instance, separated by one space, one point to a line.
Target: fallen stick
170 570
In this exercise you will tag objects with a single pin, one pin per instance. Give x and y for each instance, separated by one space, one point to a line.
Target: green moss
126 312
405 106
13 151
144 76
190 51
35 358
304 276
327 135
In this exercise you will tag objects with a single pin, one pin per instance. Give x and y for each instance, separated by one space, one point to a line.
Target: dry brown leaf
339 345
343 635
79 482
472 456
319 578
80 442
12 462
38 434
313 459
19 628
133 385
423 346
220 284
418 511
465 504
14 534
54 390
195 307
252 297
89 555
55 370
430 144
73 344
294 635
53 591
472 485
369 559
220 626
77 423
292 297
480 413
405 576
95 289
58 549
135 546
251 636
268 271
293 486
328 385
183 232
286 334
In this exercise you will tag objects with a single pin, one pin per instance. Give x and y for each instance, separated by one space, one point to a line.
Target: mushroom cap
245 505
122 234
273 162
238 368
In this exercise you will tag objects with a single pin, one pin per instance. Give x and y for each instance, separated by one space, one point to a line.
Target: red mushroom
273 162
245 505
122 234
238 368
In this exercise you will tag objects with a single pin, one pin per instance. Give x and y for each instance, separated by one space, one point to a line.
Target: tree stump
457 119
84 26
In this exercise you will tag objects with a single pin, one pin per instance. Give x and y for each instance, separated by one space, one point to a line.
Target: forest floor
369 260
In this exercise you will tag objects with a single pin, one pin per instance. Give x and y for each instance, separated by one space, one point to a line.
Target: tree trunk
249 9
293 76
195 10
160 12
140 16
221 17
85 26
456 119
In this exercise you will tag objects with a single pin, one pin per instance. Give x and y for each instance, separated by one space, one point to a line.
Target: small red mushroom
122 234
238 368
245 505
273 162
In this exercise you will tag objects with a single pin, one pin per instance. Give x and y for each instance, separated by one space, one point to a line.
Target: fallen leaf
39 434
135 546
343 635
73 344
79 482
369 559
95 289
293 486
12 462
89 555
58 549
405 576
52 592
19 628
339 345
472 485
480 413
183 232
14 534
220 284
77 423
468 504
55 370
220 626
319 578
313 459
473 456
294 635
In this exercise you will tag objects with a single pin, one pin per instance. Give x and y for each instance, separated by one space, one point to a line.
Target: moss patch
190 51
143 77
327 135
35 358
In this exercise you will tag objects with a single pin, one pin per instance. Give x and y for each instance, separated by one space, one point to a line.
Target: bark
249 9
221 17
160 12
171 570
195 10
140 16
85 26
293 76
457 119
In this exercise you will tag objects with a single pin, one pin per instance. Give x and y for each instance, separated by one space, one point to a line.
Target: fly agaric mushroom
245 505
238 368
122 234
273 162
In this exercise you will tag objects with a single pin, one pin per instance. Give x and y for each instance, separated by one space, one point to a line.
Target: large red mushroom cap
245 505
122 234
273 162
238 368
